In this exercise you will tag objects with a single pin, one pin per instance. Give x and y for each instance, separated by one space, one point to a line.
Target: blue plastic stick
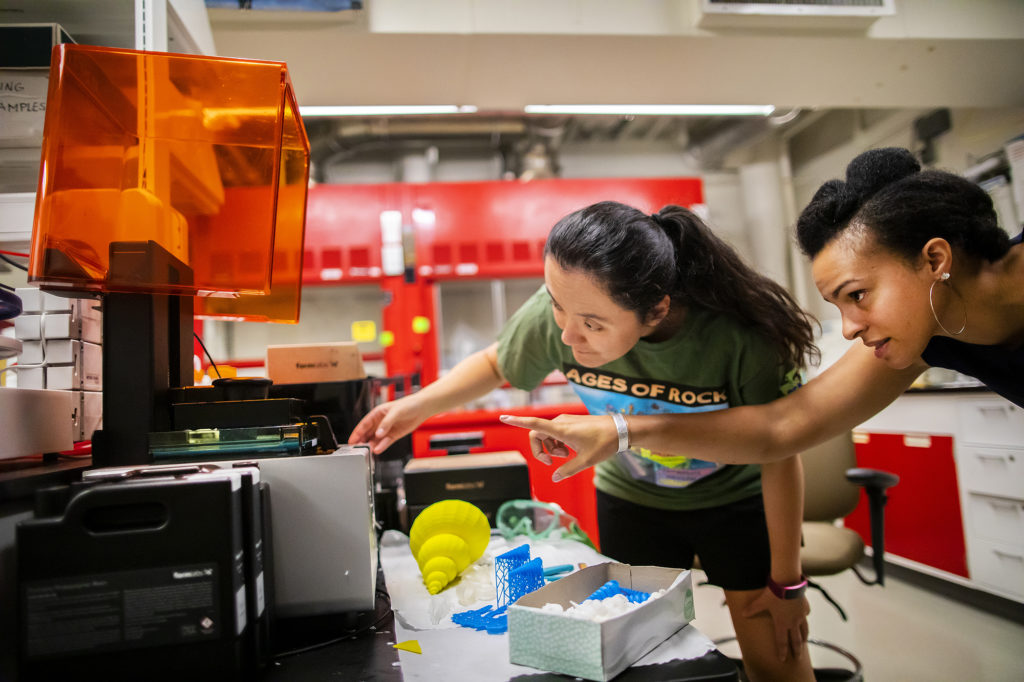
612 588
555 570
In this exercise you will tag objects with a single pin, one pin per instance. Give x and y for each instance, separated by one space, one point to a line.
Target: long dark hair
887 192
640 259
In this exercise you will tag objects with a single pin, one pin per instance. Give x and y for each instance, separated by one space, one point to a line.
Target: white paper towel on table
454 654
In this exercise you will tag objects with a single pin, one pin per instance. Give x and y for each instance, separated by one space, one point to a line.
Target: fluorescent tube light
397 110
653 109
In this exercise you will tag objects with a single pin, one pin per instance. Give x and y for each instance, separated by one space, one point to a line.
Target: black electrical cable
210 357
348 635
378 593
13 263
6 286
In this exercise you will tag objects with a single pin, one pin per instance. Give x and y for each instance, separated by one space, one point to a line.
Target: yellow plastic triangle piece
412 645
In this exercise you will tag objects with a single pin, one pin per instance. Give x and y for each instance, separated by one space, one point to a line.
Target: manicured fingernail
556 477
503 417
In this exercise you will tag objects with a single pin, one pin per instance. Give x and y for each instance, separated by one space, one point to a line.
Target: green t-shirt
712 363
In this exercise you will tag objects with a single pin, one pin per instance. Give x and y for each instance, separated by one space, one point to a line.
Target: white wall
500 55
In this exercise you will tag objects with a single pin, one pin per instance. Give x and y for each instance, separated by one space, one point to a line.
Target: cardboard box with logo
314 363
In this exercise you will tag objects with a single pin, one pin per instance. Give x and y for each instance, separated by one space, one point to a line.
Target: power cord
12 263
208 356
379 594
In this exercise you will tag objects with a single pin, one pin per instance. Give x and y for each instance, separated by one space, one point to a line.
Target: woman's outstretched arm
853 389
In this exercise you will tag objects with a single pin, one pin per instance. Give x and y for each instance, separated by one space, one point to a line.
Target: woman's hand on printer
386 423
473 377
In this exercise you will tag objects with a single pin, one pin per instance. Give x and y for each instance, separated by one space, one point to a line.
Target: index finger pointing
522 422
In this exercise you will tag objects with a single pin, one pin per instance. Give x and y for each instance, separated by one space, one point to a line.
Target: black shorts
731 540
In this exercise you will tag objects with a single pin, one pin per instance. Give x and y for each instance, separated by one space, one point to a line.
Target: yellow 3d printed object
445 538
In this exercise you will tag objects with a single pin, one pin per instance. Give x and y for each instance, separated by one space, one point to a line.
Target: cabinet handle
998 458
1008 555
912 440
1008 506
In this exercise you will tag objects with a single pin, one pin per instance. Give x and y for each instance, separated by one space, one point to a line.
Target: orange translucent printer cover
173 174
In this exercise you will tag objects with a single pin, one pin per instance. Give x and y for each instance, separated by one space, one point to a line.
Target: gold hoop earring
944 279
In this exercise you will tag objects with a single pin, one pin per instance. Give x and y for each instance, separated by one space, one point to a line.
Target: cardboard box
88 413
35 326
70 365
24 80
35 301
301 363
58 352
598 651
84 374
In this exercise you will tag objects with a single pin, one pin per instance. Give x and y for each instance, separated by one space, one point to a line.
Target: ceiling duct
712 151
792 14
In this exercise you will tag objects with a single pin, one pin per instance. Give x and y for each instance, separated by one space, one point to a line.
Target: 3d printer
173 186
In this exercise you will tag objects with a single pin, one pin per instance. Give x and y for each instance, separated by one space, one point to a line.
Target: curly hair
903 207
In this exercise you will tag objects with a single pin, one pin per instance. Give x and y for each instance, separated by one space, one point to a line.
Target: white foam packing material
599 610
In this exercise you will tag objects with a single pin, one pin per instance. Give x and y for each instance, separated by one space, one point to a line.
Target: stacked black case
150 577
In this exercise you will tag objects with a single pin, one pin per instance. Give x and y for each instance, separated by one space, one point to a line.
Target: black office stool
820 674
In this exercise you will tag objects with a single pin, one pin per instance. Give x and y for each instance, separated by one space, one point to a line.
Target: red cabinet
923 522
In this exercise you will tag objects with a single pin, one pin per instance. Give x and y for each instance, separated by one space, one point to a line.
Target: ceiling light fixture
396 110
652 109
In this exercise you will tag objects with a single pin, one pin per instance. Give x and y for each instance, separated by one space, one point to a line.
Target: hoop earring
944 279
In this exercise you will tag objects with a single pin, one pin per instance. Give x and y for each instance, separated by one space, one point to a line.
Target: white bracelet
622 428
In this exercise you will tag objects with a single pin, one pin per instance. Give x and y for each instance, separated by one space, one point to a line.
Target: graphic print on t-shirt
606 392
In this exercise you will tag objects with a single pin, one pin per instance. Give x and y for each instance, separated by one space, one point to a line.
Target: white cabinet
988 451
990 459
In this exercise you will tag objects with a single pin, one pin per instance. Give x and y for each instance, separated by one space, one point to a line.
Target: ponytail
711 275
640 259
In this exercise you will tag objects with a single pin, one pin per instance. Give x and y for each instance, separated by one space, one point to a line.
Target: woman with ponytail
653 314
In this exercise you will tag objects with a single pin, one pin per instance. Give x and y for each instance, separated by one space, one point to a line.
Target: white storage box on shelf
55 351
60 342
81 321
43 420
87 415
34 300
